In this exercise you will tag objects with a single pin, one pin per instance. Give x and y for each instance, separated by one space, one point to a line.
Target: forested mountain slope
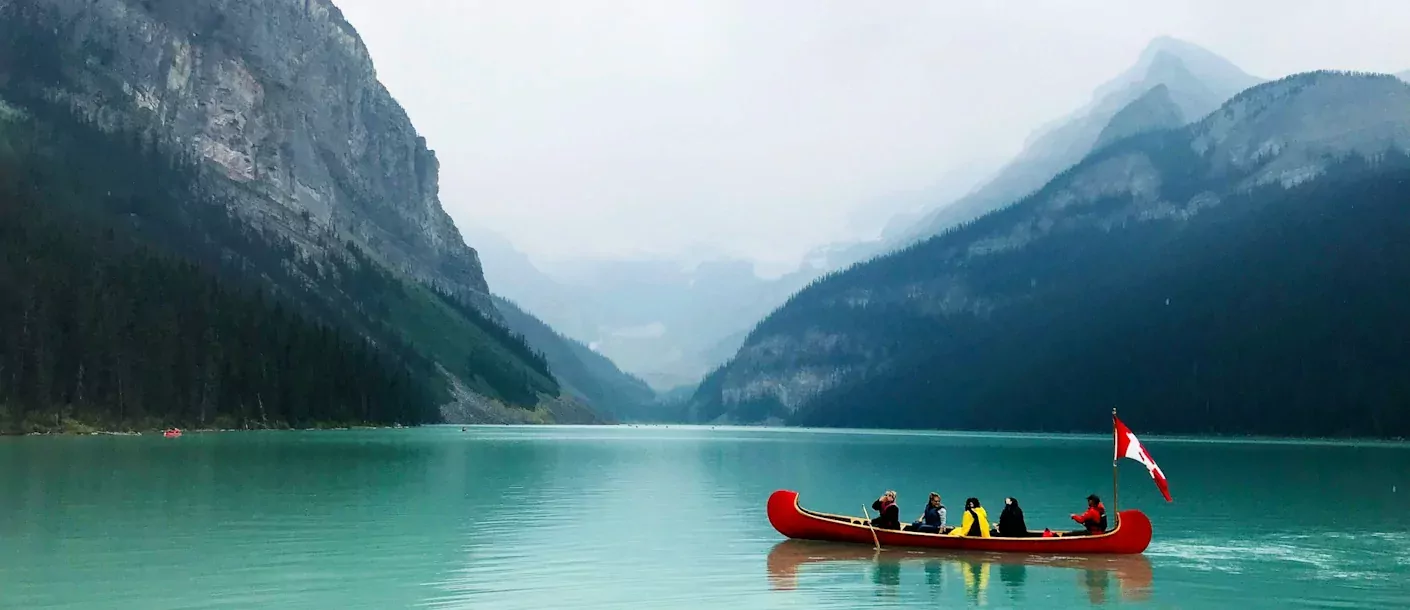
252 139
99 328
584 373
1246 274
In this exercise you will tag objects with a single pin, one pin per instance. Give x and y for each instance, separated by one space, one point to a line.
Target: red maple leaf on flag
1128 446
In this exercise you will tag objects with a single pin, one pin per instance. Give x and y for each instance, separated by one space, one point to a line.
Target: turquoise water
669 517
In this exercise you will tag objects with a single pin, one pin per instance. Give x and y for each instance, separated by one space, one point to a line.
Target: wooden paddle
870 528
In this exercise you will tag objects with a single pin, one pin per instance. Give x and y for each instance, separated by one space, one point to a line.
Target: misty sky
762 128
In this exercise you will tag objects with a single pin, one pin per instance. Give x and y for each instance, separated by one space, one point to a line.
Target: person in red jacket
890 517
1094 520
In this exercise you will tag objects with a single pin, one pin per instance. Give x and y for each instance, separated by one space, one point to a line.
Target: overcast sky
762 128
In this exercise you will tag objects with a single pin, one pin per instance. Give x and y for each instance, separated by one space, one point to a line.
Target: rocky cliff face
281 96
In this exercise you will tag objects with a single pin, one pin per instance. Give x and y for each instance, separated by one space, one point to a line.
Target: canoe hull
1131 535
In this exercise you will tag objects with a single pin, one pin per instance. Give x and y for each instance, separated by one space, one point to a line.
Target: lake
673 517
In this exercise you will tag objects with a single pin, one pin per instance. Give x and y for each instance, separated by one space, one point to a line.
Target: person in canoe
1094 520
932 521
975 522
888 514
1011 524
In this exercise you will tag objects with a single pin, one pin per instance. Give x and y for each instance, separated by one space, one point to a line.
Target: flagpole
1115 499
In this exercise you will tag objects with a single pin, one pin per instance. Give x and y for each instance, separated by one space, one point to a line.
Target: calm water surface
509 517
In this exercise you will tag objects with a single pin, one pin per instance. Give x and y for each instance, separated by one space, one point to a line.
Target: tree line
98 328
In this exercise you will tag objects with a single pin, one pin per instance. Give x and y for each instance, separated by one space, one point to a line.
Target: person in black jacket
889 515
1011 523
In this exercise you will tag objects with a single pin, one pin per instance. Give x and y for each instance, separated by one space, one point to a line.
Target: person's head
889 495
1011 502
971 503
934 499
1093 500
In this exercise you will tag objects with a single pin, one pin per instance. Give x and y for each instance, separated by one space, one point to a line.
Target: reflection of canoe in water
1131 535
1133 573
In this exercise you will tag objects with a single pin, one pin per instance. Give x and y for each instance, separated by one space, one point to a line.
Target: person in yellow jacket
975 522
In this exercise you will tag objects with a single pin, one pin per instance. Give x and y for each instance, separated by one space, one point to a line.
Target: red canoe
1131 535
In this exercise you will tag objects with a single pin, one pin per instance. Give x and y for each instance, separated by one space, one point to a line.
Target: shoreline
1005 434
94 431
80 429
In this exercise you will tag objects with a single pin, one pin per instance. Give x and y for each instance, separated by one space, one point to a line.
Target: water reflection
1104 579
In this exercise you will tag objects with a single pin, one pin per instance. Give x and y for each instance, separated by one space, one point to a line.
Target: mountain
1240 275
516 278
1153 111
897 213
282 161
1405 76
663 321
584 373
1195 80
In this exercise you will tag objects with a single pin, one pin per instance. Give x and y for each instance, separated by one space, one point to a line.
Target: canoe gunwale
862 523
1131 534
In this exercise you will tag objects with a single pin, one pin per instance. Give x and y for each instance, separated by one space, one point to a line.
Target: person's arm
1090 514
965 524
942 518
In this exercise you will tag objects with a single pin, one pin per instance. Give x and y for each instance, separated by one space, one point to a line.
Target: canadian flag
1129 447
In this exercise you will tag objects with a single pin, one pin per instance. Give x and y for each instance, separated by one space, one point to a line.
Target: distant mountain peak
1153 111
1179 48
1405 76
1161 91
1165 64
1167 59
1197 80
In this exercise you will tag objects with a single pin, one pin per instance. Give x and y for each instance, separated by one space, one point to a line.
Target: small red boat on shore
1131 535
172 433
